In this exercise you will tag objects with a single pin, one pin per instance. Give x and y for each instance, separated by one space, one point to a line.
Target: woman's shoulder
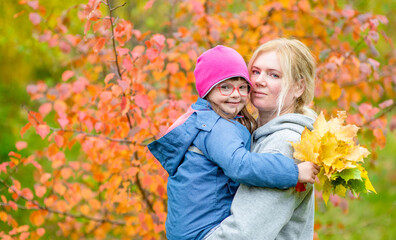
287 126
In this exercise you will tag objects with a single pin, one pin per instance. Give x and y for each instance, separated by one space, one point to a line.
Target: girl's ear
299 88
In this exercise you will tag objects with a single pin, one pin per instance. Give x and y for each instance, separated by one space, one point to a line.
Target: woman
208 152
283 72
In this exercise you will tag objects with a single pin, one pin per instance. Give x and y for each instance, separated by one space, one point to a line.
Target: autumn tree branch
123 140
382 113
68 214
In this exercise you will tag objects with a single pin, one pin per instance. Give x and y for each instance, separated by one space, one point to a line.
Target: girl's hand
307 172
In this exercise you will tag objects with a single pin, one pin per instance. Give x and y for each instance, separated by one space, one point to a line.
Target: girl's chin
232 111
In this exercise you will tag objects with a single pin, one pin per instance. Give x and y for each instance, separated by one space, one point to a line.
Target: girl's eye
243 87
225 87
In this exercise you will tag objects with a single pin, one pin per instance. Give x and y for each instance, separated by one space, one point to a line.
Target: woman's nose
260 80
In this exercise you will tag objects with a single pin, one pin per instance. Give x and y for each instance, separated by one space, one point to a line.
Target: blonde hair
297 64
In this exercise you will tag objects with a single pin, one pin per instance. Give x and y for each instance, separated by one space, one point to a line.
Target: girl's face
230 95
267 76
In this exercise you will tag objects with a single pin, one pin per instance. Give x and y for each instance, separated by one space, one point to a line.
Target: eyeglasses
226 89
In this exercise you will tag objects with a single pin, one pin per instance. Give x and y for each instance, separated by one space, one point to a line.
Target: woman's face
267 76
230 95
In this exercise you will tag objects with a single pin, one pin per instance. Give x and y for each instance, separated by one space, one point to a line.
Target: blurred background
24 61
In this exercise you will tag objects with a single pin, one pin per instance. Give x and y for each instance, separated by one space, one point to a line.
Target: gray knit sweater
265 213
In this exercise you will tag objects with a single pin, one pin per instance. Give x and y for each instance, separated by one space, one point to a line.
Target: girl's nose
235 93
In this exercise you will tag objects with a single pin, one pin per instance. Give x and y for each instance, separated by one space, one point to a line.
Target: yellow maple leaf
308 148
364 175
331 145
343 132
357 153
321 127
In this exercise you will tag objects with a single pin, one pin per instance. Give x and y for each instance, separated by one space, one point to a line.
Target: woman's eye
274 75
255 72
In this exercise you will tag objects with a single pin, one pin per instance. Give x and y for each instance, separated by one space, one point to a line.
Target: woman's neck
266 116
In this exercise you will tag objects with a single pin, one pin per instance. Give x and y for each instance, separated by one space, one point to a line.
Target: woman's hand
307 172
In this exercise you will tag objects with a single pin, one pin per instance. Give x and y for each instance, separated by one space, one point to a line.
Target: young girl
283 71
206 152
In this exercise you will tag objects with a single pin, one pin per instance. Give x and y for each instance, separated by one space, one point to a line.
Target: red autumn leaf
87 26
159 41
44 177
123 103
304 5
123 84
3 167
35 118
25 128
18 14
79 85
45 108
348 13
13 205
105 96
99 44
66 75
27 193
149 4
127 63
375 64
33 4
368 110
172 68
386 103
42 130
13 154
137 51
94 15
59 140
63 122
300 187
40 190
60 106
64 46
142 101
37 217
40 231
380 137
122 51
108 77
152 54
34 18
98 126
20 145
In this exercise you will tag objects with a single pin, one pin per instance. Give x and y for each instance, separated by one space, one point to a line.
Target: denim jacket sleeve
227 146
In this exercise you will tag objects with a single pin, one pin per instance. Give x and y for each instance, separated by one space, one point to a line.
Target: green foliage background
23 61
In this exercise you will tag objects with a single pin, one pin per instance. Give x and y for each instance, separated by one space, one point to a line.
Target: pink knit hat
216 65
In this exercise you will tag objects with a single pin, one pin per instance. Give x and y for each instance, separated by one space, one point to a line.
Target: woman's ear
299 88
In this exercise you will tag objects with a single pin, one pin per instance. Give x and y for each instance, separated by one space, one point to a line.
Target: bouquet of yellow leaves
331 145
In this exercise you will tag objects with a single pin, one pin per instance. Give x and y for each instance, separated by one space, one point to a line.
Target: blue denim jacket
201 186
